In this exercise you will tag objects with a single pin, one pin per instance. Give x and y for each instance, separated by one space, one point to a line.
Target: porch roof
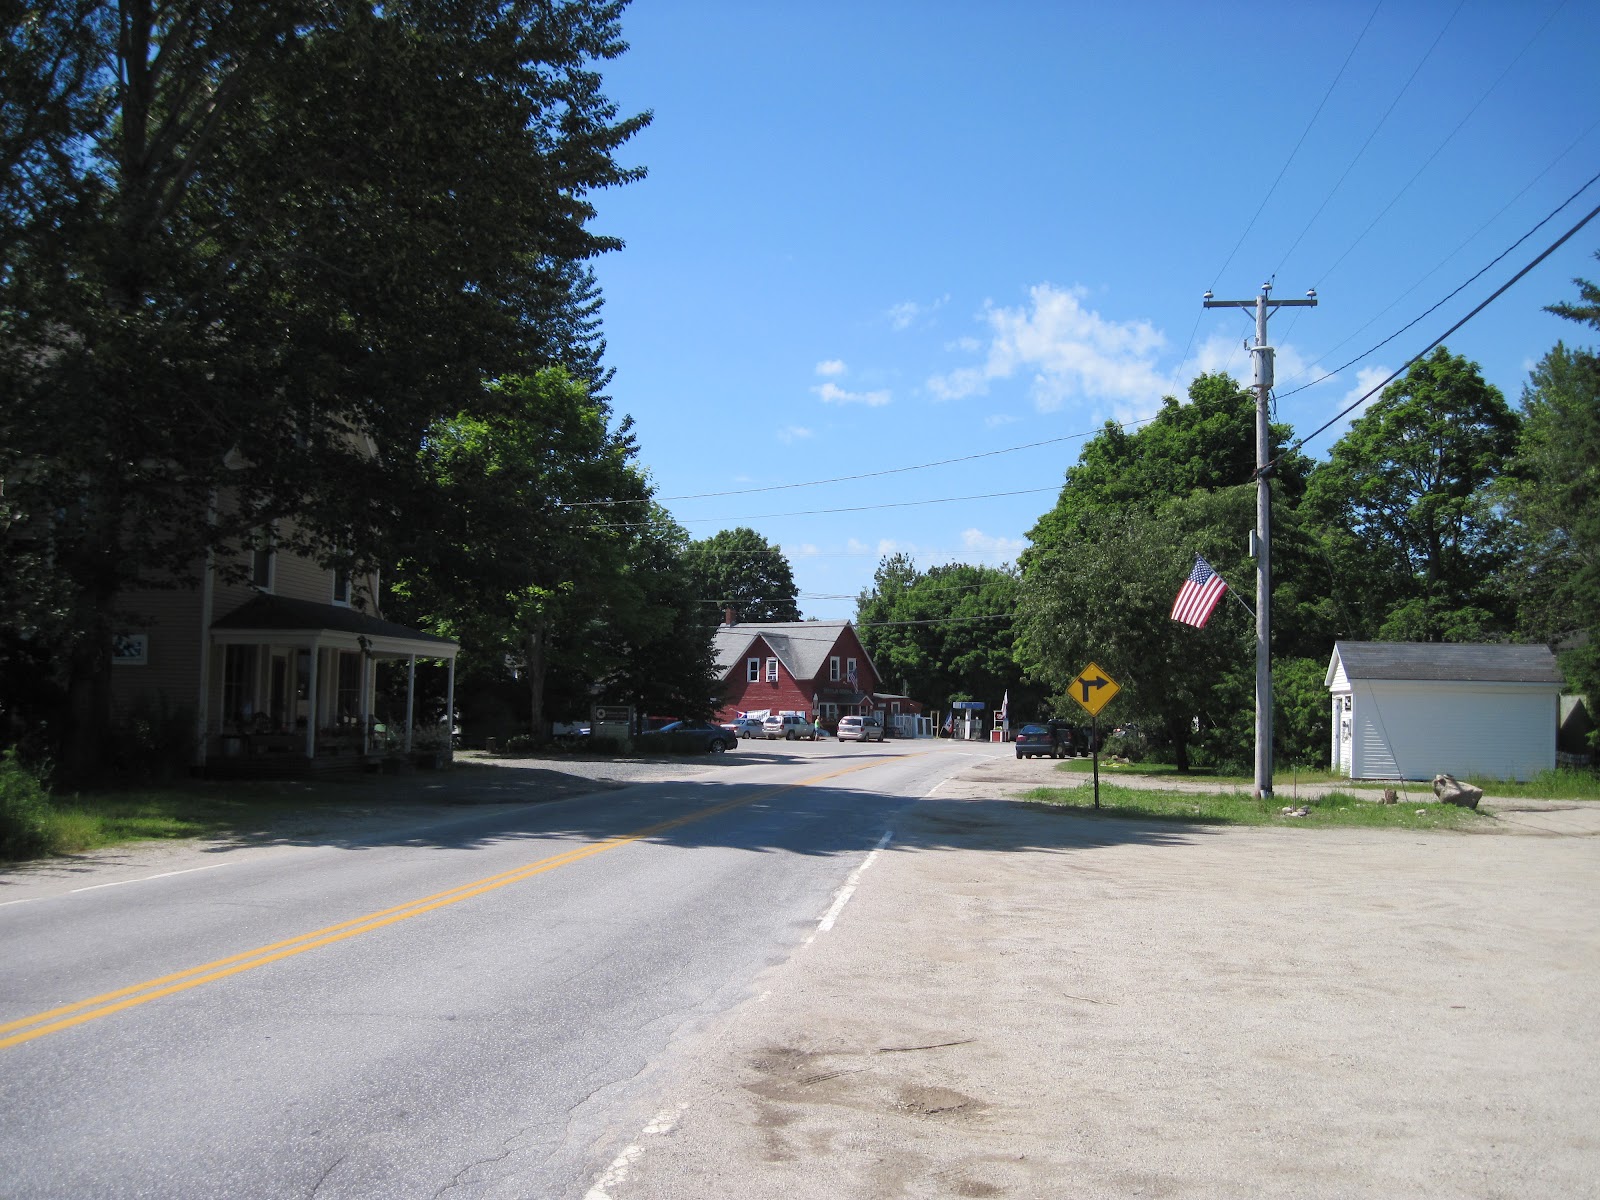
279 618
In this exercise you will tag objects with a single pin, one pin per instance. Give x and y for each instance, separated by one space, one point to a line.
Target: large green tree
1552 496
255 251
1405 506
741 570
945 633
516 565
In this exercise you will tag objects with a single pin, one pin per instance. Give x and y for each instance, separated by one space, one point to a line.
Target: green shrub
154 742
24 811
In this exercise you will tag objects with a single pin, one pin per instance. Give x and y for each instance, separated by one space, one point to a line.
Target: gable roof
802 646
1458 662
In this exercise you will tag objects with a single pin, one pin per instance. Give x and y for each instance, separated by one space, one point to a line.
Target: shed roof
802 646
1457 662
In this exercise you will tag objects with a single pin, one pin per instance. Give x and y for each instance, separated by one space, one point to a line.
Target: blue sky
880 235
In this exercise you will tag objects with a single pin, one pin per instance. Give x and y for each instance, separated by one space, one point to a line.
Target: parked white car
860 729
789 727
745 727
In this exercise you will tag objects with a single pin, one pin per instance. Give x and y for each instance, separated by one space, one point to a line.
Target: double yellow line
68 1015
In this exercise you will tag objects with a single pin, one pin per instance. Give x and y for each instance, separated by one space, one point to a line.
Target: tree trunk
87 735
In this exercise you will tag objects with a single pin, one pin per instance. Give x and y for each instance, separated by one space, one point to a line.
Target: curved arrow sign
1093 688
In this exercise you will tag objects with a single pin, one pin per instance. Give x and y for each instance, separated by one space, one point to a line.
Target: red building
817 668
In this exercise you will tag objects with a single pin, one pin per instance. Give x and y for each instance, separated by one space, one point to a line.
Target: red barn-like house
818 668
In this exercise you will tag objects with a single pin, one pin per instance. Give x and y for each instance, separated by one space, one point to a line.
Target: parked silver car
860 729
788 726
745 727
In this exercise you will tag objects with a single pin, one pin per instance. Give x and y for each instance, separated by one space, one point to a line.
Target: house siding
1418 729
170 620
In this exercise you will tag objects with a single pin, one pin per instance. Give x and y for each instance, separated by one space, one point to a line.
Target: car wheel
717 746
1021 756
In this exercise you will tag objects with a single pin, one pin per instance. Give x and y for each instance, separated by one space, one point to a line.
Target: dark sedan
691 735
1038 740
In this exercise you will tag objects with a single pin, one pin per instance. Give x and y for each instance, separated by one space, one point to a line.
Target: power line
1440 148
1303 134
1498 292
1451 296
1383 120
944 462
820 512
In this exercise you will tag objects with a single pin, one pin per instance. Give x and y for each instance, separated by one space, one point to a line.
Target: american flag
1198 595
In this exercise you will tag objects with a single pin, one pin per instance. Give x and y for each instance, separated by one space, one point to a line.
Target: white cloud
801 550
790 434
1366 379
994 420
904 315
1071 351
994 548
832 393
831 367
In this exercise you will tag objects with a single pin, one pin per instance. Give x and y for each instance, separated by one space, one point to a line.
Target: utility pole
1261 354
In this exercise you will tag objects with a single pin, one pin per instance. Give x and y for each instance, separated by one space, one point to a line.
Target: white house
1413 710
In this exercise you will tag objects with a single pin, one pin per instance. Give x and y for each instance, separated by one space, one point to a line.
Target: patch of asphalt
381 807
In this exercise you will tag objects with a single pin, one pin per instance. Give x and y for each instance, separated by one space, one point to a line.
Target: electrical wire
1498 292
1447 139
943 462
1381 122
821 512
1303 135
1452 295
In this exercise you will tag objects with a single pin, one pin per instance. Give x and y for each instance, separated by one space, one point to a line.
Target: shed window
833 668
772 670
752 670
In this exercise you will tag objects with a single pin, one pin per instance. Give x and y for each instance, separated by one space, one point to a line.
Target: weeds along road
462 1009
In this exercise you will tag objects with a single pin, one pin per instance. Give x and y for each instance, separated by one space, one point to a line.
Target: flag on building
1198 595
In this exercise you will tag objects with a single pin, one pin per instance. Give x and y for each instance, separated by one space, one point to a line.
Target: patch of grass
1239 808
1282 778
1563 783
209 808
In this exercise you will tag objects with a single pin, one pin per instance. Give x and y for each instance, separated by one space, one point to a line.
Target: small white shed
1413 710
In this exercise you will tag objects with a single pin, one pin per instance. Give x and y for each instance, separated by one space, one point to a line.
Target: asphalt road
463 1010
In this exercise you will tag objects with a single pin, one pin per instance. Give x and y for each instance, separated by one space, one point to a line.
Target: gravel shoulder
1022 1002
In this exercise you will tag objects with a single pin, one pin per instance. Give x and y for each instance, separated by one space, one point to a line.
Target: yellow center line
68 1015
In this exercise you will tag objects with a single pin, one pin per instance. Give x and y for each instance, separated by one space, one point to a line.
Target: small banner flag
1005 706
1199 595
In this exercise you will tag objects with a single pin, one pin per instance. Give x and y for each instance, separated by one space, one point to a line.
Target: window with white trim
263 558
752 670
833 668
772 670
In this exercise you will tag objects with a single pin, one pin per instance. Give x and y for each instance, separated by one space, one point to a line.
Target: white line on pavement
849 888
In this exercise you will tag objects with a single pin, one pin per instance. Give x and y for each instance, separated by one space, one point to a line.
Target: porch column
366 694
411 692
450 704
311 702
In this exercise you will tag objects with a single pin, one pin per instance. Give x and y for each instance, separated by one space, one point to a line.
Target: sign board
974 705
1093 689
611 714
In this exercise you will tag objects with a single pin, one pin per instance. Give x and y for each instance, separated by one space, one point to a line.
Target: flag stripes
1198 595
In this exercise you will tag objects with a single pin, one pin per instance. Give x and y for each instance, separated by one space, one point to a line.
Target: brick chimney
728 616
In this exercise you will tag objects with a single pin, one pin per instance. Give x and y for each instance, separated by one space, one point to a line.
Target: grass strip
1562 783
1335 810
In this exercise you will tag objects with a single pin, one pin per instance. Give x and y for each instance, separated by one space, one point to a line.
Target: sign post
1093 689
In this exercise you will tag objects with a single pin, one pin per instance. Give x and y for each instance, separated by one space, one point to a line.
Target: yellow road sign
1093 688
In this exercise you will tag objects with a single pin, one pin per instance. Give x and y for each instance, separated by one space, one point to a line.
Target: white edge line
146 878
849 887
618 1170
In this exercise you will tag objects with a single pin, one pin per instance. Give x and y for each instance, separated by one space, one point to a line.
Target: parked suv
789 727
860 729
